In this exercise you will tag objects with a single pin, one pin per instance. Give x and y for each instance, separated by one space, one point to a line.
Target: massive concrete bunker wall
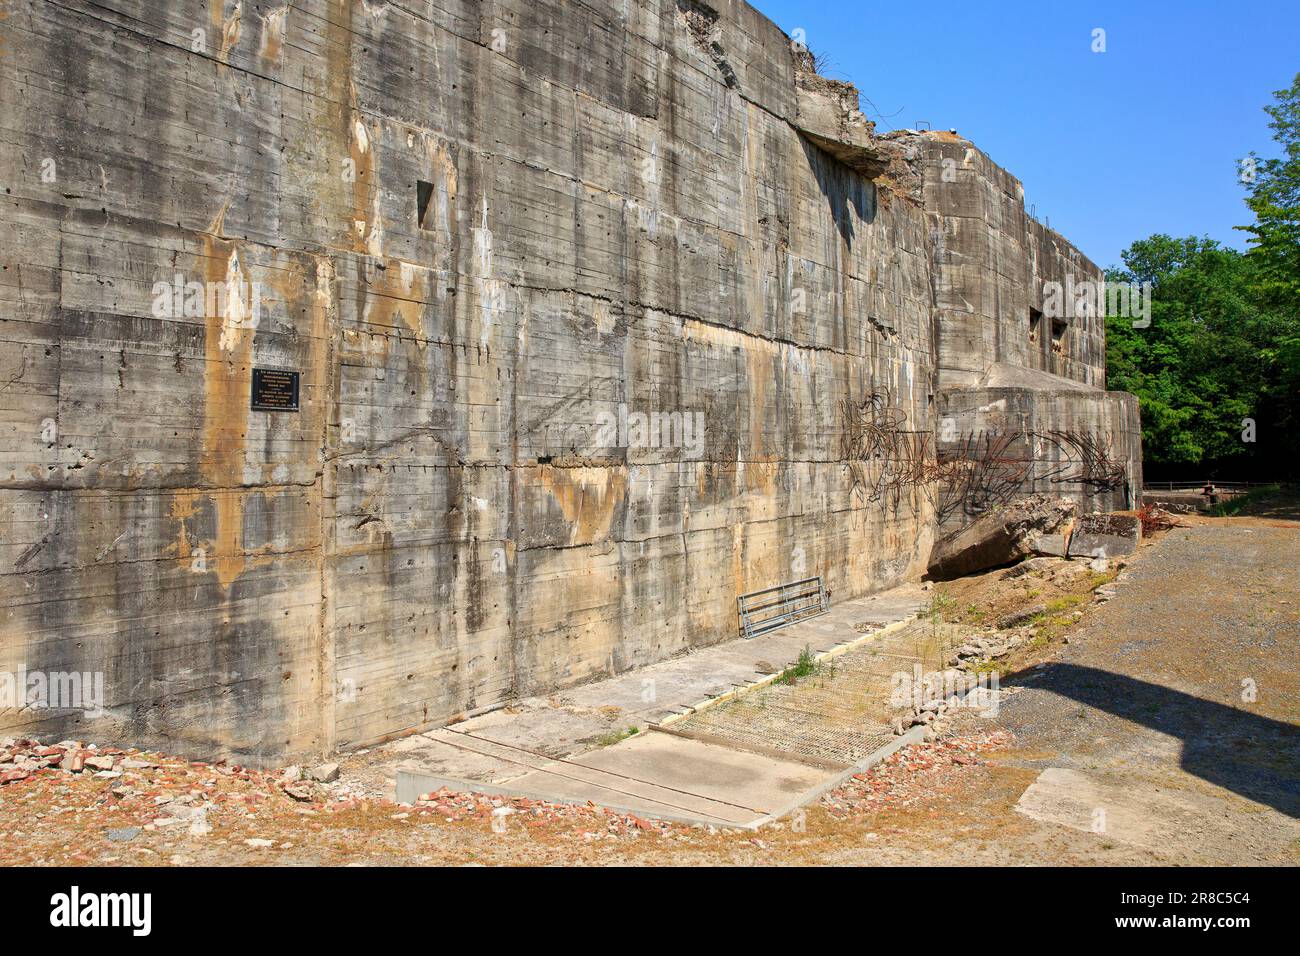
598 317
994 269
1020 346
480 232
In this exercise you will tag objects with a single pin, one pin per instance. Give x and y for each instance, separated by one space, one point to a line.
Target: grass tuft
805 666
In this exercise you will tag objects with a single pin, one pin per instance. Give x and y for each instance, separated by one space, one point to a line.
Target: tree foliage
1223 345
1275 200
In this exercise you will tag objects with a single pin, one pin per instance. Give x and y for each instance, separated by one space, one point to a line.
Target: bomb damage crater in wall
363 368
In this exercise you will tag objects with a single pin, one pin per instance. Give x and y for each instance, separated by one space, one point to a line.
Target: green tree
1195 368
1275 251
1224 340
1274 187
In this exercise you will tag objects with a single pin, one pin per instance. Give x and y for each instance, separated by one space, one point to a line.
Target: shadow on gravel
1279 503
1256 757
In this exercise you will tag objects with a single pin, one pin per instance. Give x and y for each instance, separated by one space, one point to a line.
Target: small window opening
423 193
1035 324
1059 328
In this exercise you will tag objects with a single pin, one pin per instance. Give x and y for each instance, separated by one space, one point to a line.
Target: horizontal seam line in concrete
611 773
470 786
505 789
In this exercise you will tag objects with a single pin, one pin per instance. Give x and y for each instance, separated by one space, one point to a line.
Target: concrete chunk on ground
1002 536
1113 535
1050 545
325 773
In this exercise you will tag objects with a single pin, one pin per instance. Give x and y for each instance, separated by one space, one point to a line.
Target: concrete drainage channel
681 775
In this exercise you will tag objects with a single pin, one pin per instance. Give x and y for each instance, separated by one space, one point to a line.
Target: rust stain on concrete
588 497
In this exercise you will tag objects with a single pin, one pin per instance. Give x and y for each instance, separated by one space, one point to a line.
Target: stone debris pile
504 812
910 774
1036 524
20 758
23 758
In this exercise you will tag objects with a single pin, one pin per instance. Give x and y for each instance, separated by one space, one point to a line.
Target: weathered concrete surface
479 232
574 721
1020 354
827 113
1105 535
1002 535
567 747
1006 441
661 776
992 266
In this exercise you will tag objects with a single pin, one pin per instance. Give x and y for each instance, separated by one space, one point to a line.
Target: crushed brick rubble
598 822
97 801
127 792
912 774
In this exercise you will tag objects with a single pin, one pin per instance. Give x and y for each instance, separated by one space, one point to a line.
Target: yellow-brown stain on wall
345 131
395 297
367 227
447 184
588 497
230 30
228 361
229 333
272 41
738 558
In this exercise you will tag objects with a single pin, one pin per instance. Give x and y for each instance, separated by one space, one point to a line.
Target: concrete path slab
560 747
1114 807
654 774
588 717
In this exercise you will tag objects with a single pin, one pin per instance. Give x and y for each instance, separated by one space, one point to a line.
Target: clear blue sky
1112 146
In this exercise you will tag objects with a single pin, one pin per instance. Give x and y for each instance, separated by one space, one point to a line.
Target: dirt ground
1154 726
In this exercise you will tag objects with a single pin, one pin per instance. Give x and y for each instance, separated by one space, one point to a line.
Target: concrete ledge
827 115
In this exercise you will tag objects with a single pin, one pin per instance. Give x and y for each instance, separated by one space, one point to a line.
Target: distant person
1211 493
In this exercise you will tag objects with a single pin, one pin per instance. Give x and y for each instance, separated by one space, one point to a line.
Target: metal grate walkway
840 714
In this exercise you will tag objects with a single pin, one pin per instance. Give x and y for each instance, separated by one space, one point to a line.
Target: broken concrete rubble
1000 537
1032 566
1022 616
1050 545
325 773
1105 536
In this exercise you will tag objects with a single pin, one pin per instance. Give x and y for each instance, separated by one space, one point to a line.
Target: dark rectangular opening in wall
423 193
1059 328
1035 325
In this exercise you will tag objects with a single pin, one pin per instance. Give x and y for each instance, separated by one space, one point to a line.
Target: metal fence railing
1198 485
770 608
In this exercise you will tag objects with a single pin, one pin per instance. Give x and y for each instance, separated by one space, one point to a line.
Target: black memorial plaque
275 390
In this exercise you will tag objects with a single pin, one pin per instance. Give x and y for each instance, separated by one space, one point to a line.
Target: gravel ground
1181 697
